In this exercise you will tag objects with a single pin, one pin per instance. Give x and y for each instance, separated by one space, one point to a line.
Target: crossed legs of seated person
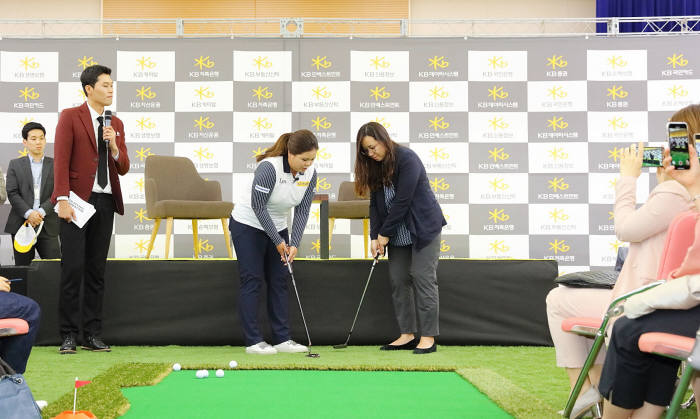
637 384
571 350
15 350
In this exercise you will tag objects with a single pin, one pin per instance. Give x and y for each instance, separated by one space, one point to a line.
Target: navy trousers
258 262
15 350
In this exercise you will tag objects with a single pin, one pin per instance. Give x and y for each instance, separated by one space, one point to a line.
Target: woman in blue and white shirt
284 179
406 218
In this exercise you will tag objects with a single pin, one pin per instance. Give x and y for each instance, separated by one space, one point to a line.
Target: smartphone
652 156
678 144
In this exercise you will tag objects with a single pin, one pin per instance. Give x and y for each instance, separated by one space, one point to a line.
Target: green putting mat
311 394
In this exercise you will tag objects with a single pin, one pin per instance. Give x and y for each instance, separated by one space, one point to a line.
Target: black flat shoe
426 350
408 345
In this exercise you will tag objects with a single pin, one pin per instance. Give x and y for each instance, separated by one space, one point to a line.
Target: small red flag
80 383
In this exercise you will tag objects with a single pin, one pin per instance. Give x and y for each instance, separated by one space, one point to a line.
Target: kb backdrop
521 138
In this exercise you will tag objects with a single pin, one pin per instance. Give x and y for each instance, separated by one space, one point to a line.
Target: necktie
102 151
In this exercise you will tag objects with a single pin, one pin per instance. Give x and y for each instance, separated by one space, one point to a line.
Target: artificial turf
303 394
524 381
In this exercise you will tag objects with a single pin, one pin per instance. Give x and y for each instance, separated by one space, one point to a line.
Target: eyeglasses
370 149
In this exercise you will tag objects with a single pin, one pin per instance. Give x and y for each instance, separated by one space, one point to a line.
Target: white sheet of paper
83 210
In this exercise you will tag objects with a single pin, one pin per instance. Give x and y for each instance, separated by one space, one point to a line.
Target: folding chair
680 236
12 327
677 347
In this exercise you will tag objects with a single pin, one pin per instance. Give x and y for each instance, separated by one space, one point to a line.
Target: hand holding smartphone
678 139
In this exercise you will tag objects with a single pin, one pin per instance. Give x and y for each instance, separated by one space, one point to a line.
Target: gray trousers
413 275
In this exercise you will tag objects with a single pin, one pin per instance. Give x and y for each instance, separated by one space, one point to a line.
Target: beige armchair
174 190
349 206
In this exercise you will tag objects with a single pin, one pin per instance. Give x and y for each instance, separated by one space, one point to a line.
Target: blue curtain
645 8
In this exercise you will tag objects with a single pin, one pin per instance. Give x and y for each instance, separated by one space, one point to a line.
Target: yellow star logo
262 123
557 184
497 92
438 62
379 62
261 62
676 60
617 92
141 215
439 184
203 123
320 62
145 62
29 93
498 154
557 123
497 62
262 93
498 184
145 93
498 215
203 62
143 153
204 93
559 246
438 123
28 63
379 93
556 61
86 62
319 123
499 246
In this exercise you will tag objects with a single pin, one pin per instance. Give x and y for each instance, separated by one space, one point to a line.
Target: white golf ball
206 373
233 364
177 367
200 373
219 373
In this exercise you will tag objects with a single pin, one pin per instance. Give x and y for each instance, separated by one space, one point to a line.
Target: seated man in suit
29 189
15 350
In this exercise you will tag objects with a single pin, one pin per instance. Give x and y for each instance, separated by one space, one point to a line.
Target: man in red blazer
89 156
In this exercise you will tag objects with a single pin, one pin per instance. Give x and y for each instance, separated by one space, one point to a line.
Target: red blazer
75 156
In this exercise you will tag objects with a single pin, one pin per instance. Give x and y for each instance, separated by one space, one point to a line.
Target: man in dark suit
90 154
29 189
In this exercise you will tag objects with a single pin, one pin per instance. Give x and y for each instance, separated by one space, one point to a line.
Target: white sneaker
261 348
584 402
290 346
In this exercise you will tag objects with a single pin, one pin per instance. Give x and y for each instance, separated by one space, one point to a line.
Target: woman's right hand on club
689 178
376 248
283 251
631 160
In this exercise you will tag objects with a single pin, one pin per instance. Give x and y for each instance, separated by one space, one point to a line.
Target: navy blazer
414 203
20 193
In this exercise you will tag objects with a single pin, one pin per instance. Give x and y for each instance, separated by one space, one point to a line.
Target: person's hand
383 242
376 250
631 160
283 250
35 218
689 178
292 253
110 135
65 211
4 284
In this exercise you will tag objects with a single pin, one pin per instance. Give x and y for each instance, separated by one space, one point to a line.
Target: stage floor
194 302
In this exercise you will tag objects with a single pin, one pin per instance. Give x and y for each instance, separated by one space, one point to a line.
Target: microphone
108 118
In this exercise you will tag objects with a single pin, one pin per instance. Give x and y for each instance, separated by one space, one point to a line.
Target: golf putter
294 284
345 345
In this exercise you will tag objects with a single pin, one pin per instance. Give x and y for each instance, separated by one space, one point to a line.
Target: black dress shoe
408 345
426 350
68 345
95 344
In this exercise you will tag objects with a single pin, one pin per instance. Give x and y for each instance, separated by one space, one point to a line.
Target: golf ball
177 367
206 373
233 364
219 373
201 373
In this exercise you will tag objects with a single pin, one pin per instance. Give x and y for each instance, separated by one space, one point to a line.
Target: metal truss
346 28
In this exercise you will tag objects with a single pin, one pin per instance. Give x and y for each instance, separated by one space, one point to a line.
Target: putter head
312 355
341 346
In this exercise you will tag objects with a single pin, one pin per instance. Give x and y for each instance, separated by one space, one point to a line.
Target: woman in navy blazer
406 218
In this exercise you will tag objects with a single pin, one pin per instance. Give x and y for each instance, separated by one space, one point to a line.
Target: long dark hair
296 142
371 175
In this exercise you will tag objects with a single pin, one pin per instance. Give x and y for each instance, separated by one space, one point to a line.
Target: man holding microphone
89 156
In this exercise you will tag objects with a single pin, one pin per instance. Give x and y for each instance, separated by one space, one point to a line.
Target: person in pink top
645 230
635 383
